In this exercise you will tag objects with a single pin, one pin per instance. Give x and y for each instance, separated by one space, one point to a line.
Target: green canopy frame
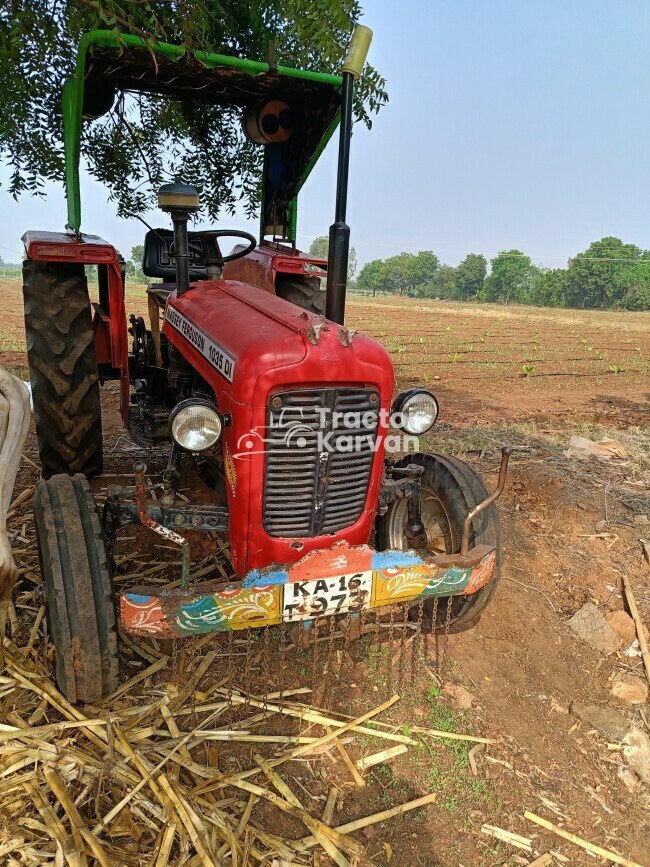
131 63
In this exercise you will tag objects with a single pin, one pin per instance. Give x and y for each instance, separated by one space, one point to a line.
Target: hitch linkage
146 520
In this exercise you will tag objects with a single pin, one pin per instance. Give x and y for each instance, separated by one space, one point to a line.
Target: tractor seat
158 260
161 292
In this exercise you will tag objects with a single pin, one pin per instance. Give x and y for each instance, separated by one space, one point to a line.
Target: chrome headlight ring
195 425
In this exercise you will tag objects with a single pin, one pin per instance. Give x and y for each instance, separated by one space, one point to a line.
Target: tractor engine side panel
250 345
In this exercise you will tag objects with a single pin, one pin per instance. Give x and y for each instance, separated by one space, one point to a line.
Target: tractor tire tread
304 292
63 368
76 570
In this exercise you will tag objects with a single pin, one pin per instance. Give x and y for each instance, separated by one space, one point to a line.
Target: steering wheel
212 255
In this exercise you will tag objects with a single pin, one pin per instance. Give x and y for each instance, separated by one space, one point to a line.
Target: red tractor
255 376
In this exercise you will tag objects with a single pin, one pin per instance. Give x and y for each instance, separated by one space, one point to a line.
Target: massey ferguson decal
219 358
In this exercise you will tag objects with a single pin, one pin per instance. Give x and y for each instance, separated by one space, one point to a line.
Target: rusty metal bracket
506 451
398 483
139 471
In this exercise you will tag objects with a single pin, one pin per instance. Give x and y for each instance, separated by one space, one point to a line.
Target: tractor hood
245 341
251 345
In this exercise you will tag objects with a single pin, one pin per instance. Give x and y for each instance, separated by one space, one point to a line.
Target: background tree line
608 274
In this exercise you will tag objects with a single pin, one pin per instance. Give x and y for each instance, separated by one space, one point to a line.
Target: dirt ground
530 378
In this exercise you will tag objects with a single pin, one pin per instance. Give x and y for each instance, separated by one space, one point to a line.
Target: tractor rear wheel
62 368
76 571
449 490
304 292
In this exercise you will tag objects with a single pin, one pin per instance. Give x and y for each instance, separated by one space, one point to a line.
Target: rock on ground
460 697
624 627
636 751
609 723
630 688
590 625
629 779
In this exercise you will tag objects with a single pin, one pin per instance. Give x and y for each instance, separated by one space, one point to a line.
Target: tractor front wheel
76 571
62 367
449 490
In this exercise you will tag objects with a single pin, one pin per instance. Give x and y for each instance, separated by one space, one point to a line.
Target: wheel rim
434 518
439 541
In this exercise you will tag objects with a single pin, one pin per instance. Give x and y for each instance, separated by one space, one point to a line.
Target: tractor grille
313 485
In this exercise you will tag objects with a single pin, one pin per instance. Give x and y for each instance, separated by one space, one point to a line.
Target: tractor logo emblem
231 471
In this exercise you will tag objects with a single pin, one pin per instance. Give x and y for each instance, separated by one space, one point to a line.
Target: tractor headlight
195 425
415 411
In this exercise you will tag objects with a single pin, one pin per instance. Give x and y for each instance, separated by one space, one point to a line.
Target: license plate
304 600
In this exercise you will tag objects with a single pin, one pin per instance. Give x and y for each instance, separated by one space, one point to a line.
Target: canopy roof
127 62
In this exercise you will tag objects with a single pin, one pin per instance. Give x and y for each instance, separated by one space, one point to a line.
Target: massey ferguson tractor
254 376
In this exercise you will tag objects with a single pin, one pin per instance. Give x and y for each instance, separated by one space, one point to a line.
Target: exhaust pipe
179 200
339 241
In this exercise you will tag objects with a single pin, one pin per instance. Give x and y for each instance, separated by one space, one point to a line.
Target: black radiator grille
315 485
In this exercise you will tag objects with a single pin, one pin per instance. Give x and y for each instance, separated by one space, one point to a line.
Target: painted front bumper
258 600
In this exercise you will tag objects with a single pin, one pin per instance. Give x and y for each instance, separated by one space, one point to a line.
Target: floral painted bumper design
337 580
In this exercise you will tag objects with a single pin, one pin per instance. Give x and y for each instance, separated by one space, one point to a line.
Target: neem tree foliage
147 140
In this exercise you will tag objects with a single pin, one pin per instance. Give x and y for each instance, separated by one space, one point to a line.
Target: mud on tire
62 368
76 571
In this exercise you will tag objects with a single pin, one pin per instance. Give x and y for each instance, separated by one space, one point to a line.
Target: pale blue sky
511 123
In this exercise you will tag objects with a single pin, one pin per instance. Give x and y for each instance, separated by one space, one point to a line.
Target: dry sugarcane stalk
302 750
57 785
328 812
454 736
278 782
319 719
340 840
198 838
584 844
233 779
640 631
472 760
142 675
27 494
507 837
356 776
8 733
54 825
383 756
542 861
47 691
127 641
289 796
252 800
174 730
32 637
139 764
247 737
165 848
145 779
189 687
382 816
